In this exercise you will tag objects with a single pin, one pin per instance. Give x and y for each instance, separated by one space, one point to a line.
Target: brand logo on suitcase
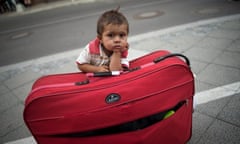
113 97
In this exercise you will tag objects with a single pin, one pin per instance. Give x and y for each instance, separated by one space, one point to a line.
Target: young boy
108 52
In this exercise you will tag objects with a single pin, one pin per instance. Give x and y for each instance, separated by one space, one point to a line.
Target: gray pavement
213 47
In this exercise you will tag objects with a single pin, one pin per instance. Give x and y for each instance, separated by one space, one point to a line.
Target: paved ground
213 47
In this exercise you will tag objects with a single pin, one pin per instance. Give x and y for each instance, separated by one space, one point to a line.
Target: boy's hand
122 49
125 48
103 69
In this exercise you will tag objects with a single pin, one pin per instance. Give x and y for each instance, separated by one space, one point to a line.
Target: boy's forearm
115 62
88 68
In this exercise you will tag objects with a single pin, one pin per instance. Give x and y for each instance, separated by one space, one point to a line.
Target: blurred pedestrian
7 6
27 3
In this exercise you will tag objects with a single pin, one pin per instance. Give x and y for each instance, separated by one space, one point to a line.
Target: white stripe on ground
131 39
28 140
200 98
217 93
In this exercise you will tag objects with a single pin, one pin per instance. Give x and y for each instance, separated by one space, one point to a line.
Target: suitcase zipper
99 87
60 85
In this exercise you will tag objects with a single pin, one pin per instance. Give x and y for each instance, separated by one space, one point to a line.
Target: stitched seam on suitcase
116 105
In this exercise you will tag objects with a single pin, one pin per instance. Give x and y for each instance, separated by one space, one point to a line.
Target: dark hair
111 17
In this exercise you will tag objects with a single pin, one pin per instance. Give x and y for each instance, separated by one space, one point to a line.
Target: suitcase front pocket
131 126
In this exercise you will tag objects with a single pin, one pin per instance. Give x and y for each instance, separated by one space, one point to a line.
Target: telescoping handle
172 55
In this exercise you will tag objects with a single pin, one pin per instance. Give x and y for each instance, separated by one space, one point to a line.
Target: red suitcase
134 107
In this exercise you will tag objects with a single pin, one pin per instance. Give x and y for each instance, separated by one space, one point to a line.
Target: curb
184 26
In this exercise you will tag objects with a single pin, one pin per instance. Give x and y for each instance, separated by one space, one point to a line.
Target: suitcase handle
115 73
102 74
161 59
172 55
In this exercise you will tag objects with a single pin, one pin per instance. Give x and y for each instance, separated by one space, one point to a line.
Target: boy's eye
122 35
110 35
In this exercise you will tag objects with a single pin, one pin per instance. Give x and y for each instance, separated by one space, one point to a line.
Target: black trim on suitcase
126 127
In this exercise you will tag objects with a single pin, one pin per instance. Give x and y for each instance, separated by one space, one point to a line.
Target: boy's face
114 37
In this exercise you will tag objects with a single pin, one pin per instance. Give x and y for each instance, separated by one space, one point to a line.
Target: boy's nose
116 38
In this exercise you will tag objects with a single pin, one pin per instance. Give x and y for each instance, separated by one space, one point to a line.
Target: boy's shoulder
94 46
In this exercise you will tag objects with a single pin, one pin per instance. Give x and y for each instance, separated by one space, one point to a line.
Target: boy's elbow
80 67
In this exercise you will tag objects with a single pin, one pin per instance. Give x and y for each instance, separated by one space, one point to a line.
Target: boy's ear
100 38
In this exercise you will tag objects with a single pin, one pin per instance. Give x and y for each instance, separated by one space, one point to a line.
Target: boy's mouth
117 47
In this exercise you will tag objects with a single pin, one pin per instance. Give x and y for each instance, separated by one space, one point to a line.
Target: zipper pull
82 82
